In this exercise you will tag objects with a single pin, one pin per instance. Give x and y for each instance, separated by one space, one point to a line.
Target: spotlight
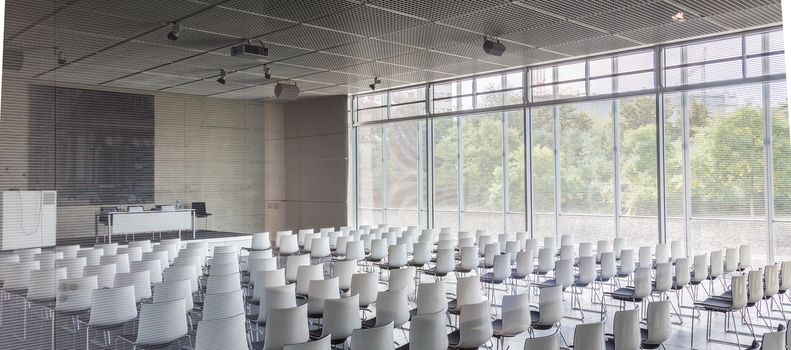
376 82
221 79
175 31
267 73
494 48
59 56
678 17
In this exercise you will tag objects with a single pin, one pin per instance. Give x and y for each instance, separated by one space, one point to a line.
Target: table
150 221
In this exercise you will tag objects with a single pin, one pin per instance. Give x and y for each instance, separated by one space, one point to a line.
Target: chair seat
453 340
516 275
415 263
369 323
370 259
625 294
433 272
489 278
459 269
151 346
257 345
547 283
716 304
315 334
498 331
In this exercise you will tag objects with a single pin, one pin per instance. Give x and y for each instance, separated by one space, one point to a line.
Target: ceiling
338 46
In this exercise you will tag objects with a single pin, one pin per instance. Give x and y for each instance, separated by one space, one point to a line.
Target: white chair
644 257
107 248
344 270
468 291
468 260
745 256
42 288
223 283
355 250
775 340
500 273
549 342
341 318
516 318
288 245
222 305
731 260
141 281
366 286
222 333
618 245
112 308
637 293
46 260
286 326
134 253
657 329
121 262
392 307
378 251
320 249
17 276
105 274
662 253
397 257
677 250
318 293
171 249
446 263
626 330
74 266
306 274
550 309
380 337
319 344
68 251
264 280
627 266
224 269
427 332
546 261
175 273
151 266
589 336
161 256
403 279
430 298
74 295
260 241
261 264
144 245
475 328
292 266
302 234
161 324
279 297
728 306
174 290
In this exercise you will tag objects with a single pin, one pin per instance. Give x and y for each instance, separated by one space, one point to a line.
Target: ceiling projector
286 91
250 51
495 48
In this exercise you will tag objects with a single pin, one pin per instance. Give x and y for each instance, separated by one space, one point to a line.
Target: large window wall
683 142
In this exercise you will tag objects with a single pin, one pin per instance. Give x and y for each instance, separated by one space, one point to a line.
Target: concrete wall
315 163
226 153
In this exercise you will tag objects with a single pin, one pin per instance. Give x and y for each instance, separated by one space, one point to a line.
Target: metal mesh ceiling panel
334 77
219 60
337 90
250 93
205 87
501 20
553 34
426 59
20 15
236 23
145 51
90 22
85 73
149 81
284 71
469 67
185 70
436 9
324 60
190 39
310 37
593 45
295 10
673 31
430 36
580 8
751 17
309 85
420 76
372 49
515 54
367 21
154 12
715 7
635 17
377 69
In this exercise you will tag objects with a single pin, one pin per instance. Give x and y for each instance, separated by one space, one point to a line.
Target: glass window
543 75
373 100
454 88
446 173
635 62
408 110
367 115
408 95
405 171
490 83
571 71
370 155
781 169
542 131
516 172
600 67
496 99
482 172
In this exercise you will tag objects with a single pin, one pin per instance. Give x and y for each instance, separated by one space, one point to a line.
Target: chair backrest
550 306
664 277
524 263
174 290
379 337
224 269
700 267
564 272
602 246
319 292
482 242
475 327
366 286
219 257
738 292
344 271
141 281
489 252
222 305
390 237
627 261
261 241
682 272
677 250
320 247
152 267
608 265
397 255
134 253
378 249
532 244
745 256
658 322
421 252
446 261
392 306
585 249
516 313
222 333
340 244
774 340
75 294
107 248
162 256
427 331
91 255
785 275
549 243
567 252
755 285
566 240
260 264
303 234
468 291
121 262
403 279
17 275
618 245
69 251
288 244
587 270
589 336
549 342
113 306
355 250
546 260
662 253
161 322
182 272
341 317
716 267
46 260
512 247
306 274
105 274
731 260
44 284
502 267
771 283
144 245
468 257
200 208
223 283
74 266
171 248
626 329
293 263
322 343
431 298
644 257
276 298
642 282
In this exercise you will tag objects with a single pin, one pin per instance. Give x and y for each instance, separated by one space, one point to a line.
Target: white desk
151 221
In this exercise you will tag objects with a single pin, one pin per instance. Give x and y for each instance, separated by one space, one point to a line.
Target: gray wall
206 149
315 163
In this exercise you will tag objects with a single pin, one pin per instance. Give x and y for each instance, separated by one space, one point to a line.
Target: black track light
59 56
221 79
376 82
175 31
267 73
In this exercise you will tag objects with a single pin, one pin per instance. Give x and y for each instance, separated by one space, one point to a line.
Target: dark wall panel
93 147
